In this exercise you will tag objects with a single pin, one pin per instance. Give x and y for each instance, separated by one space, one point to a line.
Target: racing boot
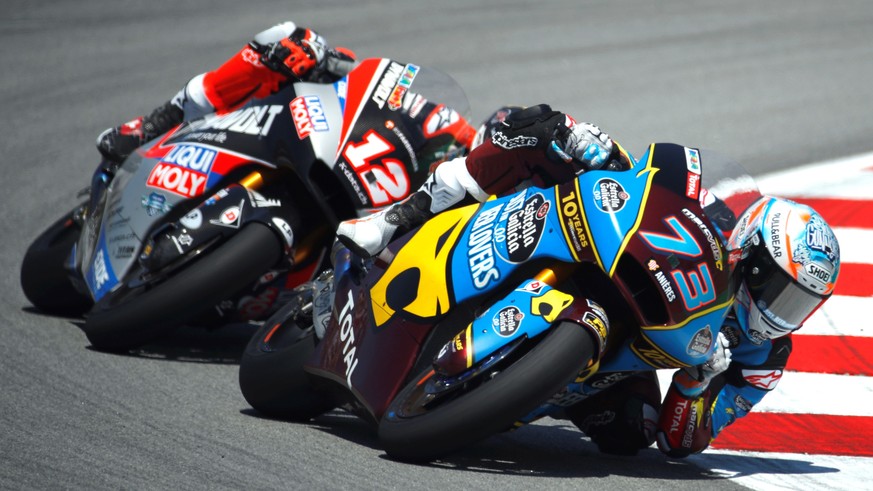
116 144
450 184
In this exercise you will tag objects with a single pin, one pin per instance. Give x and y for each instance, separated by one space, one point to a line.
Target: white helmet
789 266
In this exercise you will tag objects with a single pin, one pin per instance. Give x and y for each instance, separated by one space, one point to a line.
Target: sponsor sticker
609 195
308 115
386 84
762 379
155 204
570 211
700 343
480 249
524 228
193 220
230 217
285 229
503 141
183 171
692 160
507 321
395 100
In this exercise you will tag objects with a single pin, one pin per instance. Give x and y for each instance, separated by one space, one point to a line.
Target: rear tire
44 279
414 432
222 272
271 375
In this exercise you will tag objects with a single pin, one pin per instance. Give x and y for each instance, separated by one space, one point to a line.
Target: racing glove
295 56
583 143
692 381
563 140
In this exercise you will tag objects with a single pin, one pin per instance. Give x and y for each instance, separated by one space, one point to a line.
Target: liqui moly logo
183 171
308 115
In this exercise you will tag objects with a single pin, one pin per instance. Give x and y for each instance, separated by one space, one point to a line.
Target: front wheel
419 426
271 375
44 279
142 317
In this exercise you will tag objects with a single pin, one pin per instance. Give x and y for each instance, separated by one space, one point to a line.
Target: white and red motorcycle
213 221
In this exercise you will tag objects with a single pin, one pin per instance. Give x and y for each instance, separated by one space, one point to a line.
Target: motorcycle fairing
375 141
101 278
416 281
614 202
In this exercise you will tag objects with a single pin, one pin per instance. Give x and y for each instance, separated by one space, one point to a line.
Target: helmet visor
784 302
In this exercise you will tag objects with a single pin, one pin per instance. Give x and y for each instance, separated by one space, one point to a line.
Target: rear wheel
44 279
139 317
271 375
422 424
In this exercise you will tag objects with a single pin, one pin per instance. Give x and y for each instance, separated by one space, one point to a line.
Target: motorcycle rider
282 54
788 261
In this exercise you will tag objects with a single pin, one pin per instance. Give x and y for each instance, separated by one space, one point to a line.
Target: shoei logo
308 115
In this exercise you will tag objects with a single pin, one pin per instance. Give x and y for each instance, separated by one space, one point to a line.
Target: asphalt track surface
773 83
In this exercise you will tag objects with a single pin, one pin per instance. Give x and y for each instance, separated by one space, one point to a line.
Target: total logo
308 114
183 171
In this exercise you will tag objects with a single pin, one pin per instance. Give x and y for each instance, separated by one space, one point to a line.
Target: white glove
587 144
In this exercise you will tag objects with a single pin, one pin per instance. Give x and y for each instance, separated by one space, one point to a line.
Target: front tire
44 279
412 431
271 375
219 274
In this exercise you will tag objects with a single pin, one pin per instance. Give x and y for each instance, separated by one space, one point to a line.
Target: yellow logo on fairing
550 304
422 265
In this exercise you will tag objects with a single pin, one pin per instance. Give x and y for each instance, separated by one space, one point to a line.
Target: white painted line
818 393
842 316
855 245
781 471
843 178
810 393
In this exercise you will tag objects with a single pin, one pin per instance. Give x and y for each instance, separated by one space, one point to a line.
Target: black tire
271 375
489 408
141 318
44 279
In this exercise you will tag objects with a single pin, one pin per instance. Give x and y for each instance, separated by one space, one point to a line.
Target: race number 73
385 180
695 286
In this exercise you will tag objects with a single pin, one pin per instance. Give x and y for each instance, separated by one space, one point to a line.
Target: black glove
532 127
